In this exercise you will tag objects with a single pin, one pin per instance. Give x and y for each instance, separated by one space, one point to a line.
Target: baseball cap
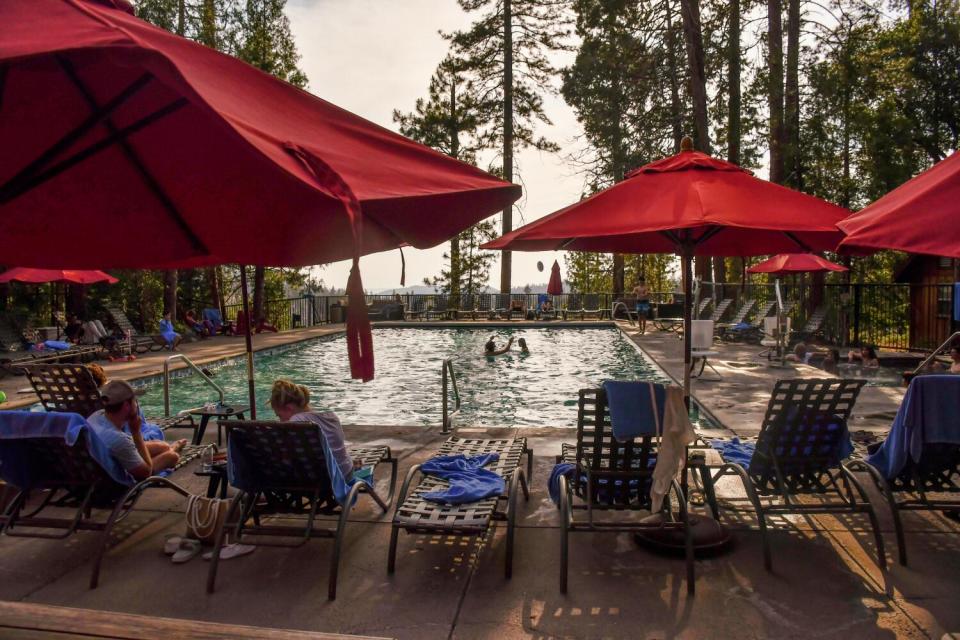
117 391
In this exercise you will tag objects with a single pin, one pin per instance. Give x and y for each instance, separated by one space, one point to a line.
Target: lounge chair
517 308
718 311
415 515
738 318
14 355
69 388
813 328
441 309
609 475
546 315
139 343
416 310
753 332
702 307
921 454
280 469
771 338
216 319
58 459
799 452
701 348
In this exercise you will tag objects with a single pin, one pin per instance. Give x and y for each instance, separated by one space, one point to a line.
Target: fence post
857 301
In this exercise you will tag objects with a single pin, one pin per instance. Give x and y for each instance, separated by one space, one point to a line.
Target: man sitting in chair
140 458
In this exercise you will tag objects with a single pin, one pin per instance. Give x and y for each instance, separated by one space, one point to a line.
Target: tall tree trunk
455 274
213 289
733 82
619 169
693 35
775 88
170 292
791 133
506 260
181 17
676 117
259 292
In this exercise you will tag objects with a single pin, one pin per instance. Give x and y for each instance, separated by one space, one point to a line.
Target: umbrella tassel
403 269
359 334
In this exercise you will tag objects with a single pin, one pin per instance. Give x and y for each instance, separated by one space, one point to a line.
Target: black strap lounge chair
52 475
702 307
138 342
738 318
932 482
416 310
13 355
280 469
69 388
813 328
440 310
612 476
799 452
415 515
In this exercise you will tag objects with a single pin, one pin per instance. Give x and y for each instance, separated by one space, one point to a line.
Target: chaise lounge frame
292 480
415 515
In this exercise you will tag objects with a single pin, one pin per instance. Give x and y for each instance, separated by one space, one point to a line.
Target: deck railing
892 316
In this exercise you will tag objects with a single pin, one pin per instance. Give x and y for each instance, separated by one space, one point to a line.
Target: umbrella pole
249 340
687 274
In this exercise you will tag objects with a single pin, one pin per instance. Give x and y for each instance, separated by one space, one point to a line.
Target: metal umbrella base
710 536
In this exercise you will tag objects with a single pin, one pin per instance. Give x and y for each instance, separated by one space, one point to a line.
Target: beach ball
539 266
3 397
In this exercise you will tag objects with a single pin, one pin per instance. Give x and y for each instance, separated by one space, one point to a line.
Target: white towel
677 433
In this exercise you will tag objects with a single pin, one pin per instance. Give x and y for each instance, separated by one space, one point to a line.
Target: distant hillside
421 289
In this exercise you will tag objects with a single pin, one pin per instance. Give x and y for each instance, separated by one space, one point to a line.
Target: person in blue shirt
139 457
169 334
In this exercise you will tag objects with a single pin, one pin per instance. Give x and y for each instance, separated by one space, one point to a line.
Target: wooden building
931 281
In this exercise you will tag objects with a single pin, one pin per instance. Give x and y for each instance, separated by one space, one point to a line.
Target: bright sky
372 56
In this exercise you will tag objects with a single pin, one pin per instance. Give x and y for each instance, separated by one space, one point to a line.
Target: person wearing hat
121 410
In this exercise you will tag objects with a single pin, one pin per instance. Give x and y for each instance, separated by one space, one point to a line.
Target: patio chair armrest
405 487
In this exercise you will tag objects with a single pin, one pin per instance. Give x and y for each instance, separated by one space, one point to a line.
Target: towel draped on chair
469 481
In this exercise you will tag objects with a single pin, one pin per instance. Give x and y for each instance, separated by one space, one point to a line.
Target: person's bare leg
156 447
164 461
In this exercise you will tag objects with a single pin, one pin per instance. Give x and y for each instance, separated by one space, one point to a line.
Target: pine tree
505 54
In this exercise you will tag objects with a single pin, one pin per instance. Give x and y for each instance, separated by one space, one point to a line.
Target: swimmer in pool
490 349
867 355
524 351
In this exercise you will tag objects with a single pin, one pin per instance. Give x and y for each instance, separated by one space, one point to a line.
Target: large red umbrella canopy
41 276
689 204
128 146
920 216
555 286
714 207
787 263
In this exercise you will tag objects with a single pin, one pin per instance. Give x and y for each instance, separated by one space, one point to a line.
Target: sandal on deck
231 551
189 549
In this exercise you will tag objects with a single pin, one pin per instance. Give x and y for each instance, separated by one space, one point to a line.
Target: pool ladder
199 372
449 379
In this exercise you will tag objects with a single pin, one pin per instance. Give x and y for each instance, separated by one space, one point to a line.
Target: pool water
539 389
875 376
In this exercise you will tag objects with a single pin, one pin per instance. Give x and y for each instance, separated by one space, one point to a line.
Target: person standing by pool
490 349
169 334
291 403
642 294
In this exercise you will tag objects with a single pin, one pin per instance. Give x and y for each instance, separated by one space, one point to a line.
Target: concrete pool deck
825 582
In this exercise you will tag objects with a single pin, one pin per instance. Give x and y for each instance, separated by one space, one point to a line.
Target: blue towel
213 315
631 412
734 450
930 412
956 302
56 345
166 330
469 481
17 425
553 484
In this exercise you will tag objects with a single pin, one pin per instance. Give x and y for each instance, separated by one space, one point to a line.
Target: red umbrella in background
689 204
787 263
43 276
555 286
920 216
128 146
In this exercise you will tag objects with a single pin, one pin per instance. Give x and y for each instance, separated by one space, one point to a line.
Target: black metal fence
892 316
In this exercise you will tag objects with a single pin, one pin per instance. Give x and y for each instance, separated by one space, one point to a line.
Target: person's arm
505 349
145 470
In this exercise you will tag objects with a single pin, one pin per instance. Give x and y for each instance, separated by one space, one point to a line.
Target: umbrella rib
3 82
799 242
16 188
135 160
9 190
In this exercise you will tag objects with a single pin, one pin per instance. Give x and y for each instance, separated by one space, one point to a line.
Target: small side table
217 472
218 411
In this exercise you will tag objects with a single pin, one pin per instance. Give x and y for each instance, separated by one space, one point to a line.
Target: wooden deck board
28 620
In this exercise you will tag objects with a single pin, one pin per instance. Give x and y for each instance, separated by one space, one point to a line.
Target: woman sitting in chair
291 403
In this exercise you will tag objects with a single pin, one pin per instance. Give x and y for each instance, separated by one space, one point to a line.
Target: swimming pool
510 390
875 376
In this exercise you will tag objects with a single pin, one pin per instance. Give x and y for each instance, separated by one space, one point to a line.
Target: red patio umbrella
128 146
555 286
42 276
787 263
689 204
920 216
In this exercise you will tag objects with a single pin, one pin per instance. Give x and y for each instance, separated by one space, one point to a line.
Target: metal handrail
449 378
935 352
198 370
626 311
